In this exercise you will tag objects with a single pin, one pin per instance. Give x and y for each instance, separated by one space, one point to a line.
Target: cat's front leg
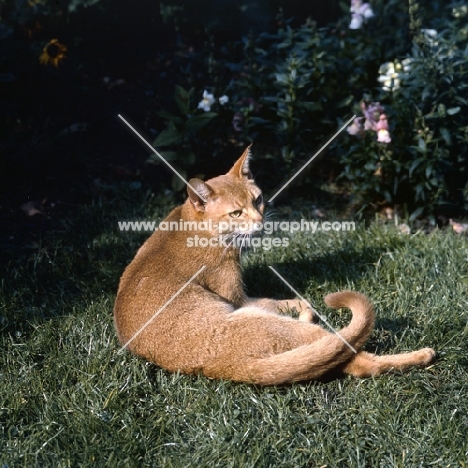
285 306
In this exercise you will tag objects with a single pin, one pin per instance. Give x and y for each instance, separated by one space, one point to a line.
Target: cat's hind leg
366 364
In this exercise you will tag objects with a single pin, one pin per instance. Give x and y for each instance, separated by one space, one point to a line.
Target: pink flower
372 114
370 124
359 13
366 11
356 127
383 136
374 120
356 21
382 123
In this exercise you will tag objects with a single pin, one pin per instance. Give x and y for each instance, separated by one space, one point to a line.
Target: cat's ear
199 192
241 167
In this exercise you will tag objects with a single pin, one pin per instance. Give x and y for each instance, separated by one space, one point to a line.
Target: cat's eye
259 200
235 214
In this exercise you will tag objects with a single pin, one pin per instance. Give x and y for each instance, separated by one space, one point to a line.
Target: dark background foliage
293 71
60 138
120 60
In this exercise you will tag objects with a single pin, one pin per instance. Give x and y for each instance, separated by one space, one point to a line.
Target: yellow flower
53 53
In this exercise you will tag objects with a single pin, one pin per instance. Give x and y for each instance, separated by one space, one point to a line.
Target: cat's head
232 201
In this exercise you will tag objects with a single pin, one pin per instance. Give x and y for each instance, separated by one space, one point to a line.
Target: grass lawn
68 398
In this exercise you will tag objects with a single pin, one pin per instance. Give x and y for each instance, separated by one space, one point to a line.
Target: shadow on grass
338 267
78 259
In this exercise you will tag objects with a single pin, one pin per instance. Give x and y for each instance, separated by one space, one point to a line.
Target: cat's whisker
237 236
242 241
270 214
229 237
230 240
242 237
245 236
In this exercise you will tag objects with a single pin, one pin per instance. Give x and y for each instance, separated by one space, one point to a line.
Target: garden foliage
425 97
290 89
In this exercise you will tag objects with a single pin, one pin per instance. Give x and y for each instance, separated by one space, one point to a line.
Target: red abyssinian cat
208 325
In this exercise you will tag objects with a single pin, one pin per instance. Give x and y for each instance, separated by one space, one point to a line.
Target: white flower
460 11
223 100
207 101
389 77
430 36
356 21
366 11
359 12
392 73
406 63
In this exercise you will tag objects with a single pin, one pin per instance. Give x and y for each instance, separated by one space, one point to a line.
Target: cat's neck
220 265
193 233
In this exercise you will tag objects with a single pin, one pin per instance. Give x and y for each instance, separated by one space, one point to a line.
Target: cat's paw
426 356
304 311
306 315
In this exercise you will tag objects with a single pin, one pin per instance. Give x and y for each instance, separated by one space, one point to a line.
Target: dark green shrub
291 89
425 98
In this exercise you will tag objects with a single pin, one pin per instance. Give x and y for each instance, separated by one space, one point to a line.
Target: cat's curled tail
322 354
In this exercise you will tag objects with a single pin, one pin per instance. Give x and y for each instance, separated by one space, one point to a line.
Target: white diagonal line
311 159
162 159
161 309
318 315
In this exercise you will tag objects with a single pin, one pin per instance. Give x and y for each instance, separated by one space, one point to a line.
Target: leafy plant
424 93
181 130
292 75
290 88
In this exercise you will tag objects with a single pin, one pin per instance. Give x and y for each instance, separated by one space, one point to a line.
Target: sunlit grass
68 398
